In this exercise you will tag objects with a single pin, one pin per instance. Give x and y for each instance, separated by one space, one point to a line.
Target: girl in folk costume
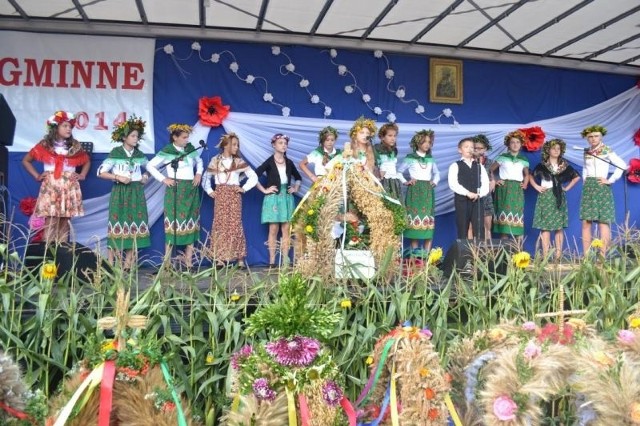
597 198
320 156
386 159
556 176
480 147
278 205
60 198
181 196
227 235
361 134
420 199
128 224
513 179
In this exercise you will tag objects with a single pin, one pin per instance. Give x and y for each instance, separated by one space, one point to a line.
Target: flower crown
322 135
60 117
124 129
480 138
362 123
550 144
179 128
515 134
419 137
593 129
279 136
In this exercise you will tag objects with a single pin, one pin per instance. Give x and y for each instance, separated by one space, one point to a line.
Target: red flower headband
60 117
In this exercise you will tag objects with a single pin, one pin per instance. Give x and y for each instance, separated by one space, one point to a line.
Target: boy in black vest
469 182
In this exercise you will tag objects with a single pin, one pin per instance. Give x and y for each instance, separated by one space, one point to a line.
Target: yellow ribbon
393 400
293 421
452 410
90 382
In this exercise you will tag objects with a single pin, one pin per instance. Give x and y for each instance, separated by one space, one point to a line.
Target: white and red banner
100 79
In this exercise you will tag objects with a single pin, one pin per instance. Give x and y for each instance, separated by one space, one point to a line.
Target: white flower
348 89
391 117
333 53
268 97
400 93
215 58
342 70
290 67
304 82
377 53
377 111
286 111
366 98
315 99
168 49
249 79
275 50
389 73
447 112
327 111
419 109
233 66
455 123
195 46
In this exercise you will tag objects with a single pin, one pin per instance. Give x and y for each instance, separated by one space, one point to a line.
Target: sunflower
521 259
49 271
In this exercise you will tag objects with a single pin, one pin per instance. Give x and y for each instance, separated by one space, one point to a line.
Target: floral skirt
597 202
185 223
278 208
59 197
547 216
227 234
420 202
509 205
128 224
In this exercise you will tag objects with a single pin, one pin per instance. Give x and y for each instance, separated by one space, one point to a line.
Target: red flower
551 333
634 170
636 138
211 112
28 205
533 138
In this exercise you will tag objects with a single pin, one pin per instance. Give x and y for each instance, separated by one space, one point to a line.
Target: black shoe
220 266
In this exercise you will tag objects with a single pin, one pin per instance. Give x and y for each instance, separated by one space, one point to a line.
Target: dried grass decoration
124 381
407 385
18 405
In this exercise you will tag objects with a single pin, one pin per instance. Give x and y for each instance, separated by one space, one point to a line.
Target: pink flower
298 351
531 351
240 356
626 337
529 326
504 408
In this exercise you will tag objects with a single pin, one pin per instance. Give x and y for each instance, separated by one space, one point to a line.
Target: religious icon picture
445 81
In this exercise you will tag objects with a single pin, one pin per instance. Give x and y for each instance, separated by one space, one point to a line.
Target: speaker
68 257
7 123
464 256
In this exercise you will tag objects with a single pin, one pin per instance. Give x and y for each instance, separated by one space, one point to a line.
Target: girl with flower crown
278 205
60 197
228 242
513 179
320 156
386 153
420 198
556 176
181 200
128 223
597 198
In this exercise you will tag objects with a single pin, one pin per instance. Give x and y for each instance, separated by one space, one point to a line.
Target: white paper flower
455 123
342 70
290 67
267 97
419 109
377 53
333 53
348 89
233 66
215 58
304 83
391 117
377 111
400 93
327 111
195 46
286 111
447 112
249 79
389 73
366 98
275 50
168 49
315 99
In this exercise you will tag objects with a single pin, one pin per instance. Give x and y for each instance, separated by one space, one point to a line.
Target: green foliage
399 216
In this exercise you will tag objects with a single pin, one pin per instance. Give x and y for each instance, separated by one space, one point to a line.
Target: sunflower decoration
521 260
533 138
211 111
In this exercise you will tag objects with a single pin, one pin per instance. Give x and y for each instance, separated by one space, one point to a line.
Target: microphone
579 148
370 138
203 144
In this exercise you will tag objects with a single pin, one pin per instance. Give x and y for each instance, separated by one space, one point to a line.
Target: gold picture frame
445 81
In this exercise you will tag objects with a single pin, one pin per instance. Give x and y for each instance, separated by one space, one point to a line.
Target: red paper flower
551 333
533 138
28 205
634 170
211 112
636 138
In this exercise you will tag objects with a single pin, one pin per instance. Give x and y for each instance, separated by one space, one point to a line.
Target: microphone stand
624 174
479 230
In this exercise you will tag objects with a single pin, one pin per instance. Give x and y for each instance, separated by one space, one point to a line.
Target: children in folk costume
513 179
469 181
128 223
420 198
556 176
386 160
320 156
181 200
480 147
278 205
360 134
60 197
228 242
597 198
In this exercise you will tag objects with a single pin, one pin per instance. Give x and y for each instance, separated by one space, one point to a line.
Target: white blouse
218 169
184 171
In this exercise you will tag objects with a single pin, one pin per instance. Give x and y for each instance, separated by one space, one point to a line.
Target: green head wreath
322 135
124 129
594 129
550 144
480 138
362 123
419 137
515 134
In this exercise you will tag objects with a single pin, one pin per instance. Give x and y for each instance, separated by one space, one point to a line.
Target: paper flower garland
533 138
211 111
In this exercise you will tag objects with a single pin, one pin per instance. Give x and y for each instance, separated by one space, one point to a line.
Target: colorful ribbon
393 397
106 393
182 421
305 416
92 379
291 408
16 413
375 375
348 410
452 410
